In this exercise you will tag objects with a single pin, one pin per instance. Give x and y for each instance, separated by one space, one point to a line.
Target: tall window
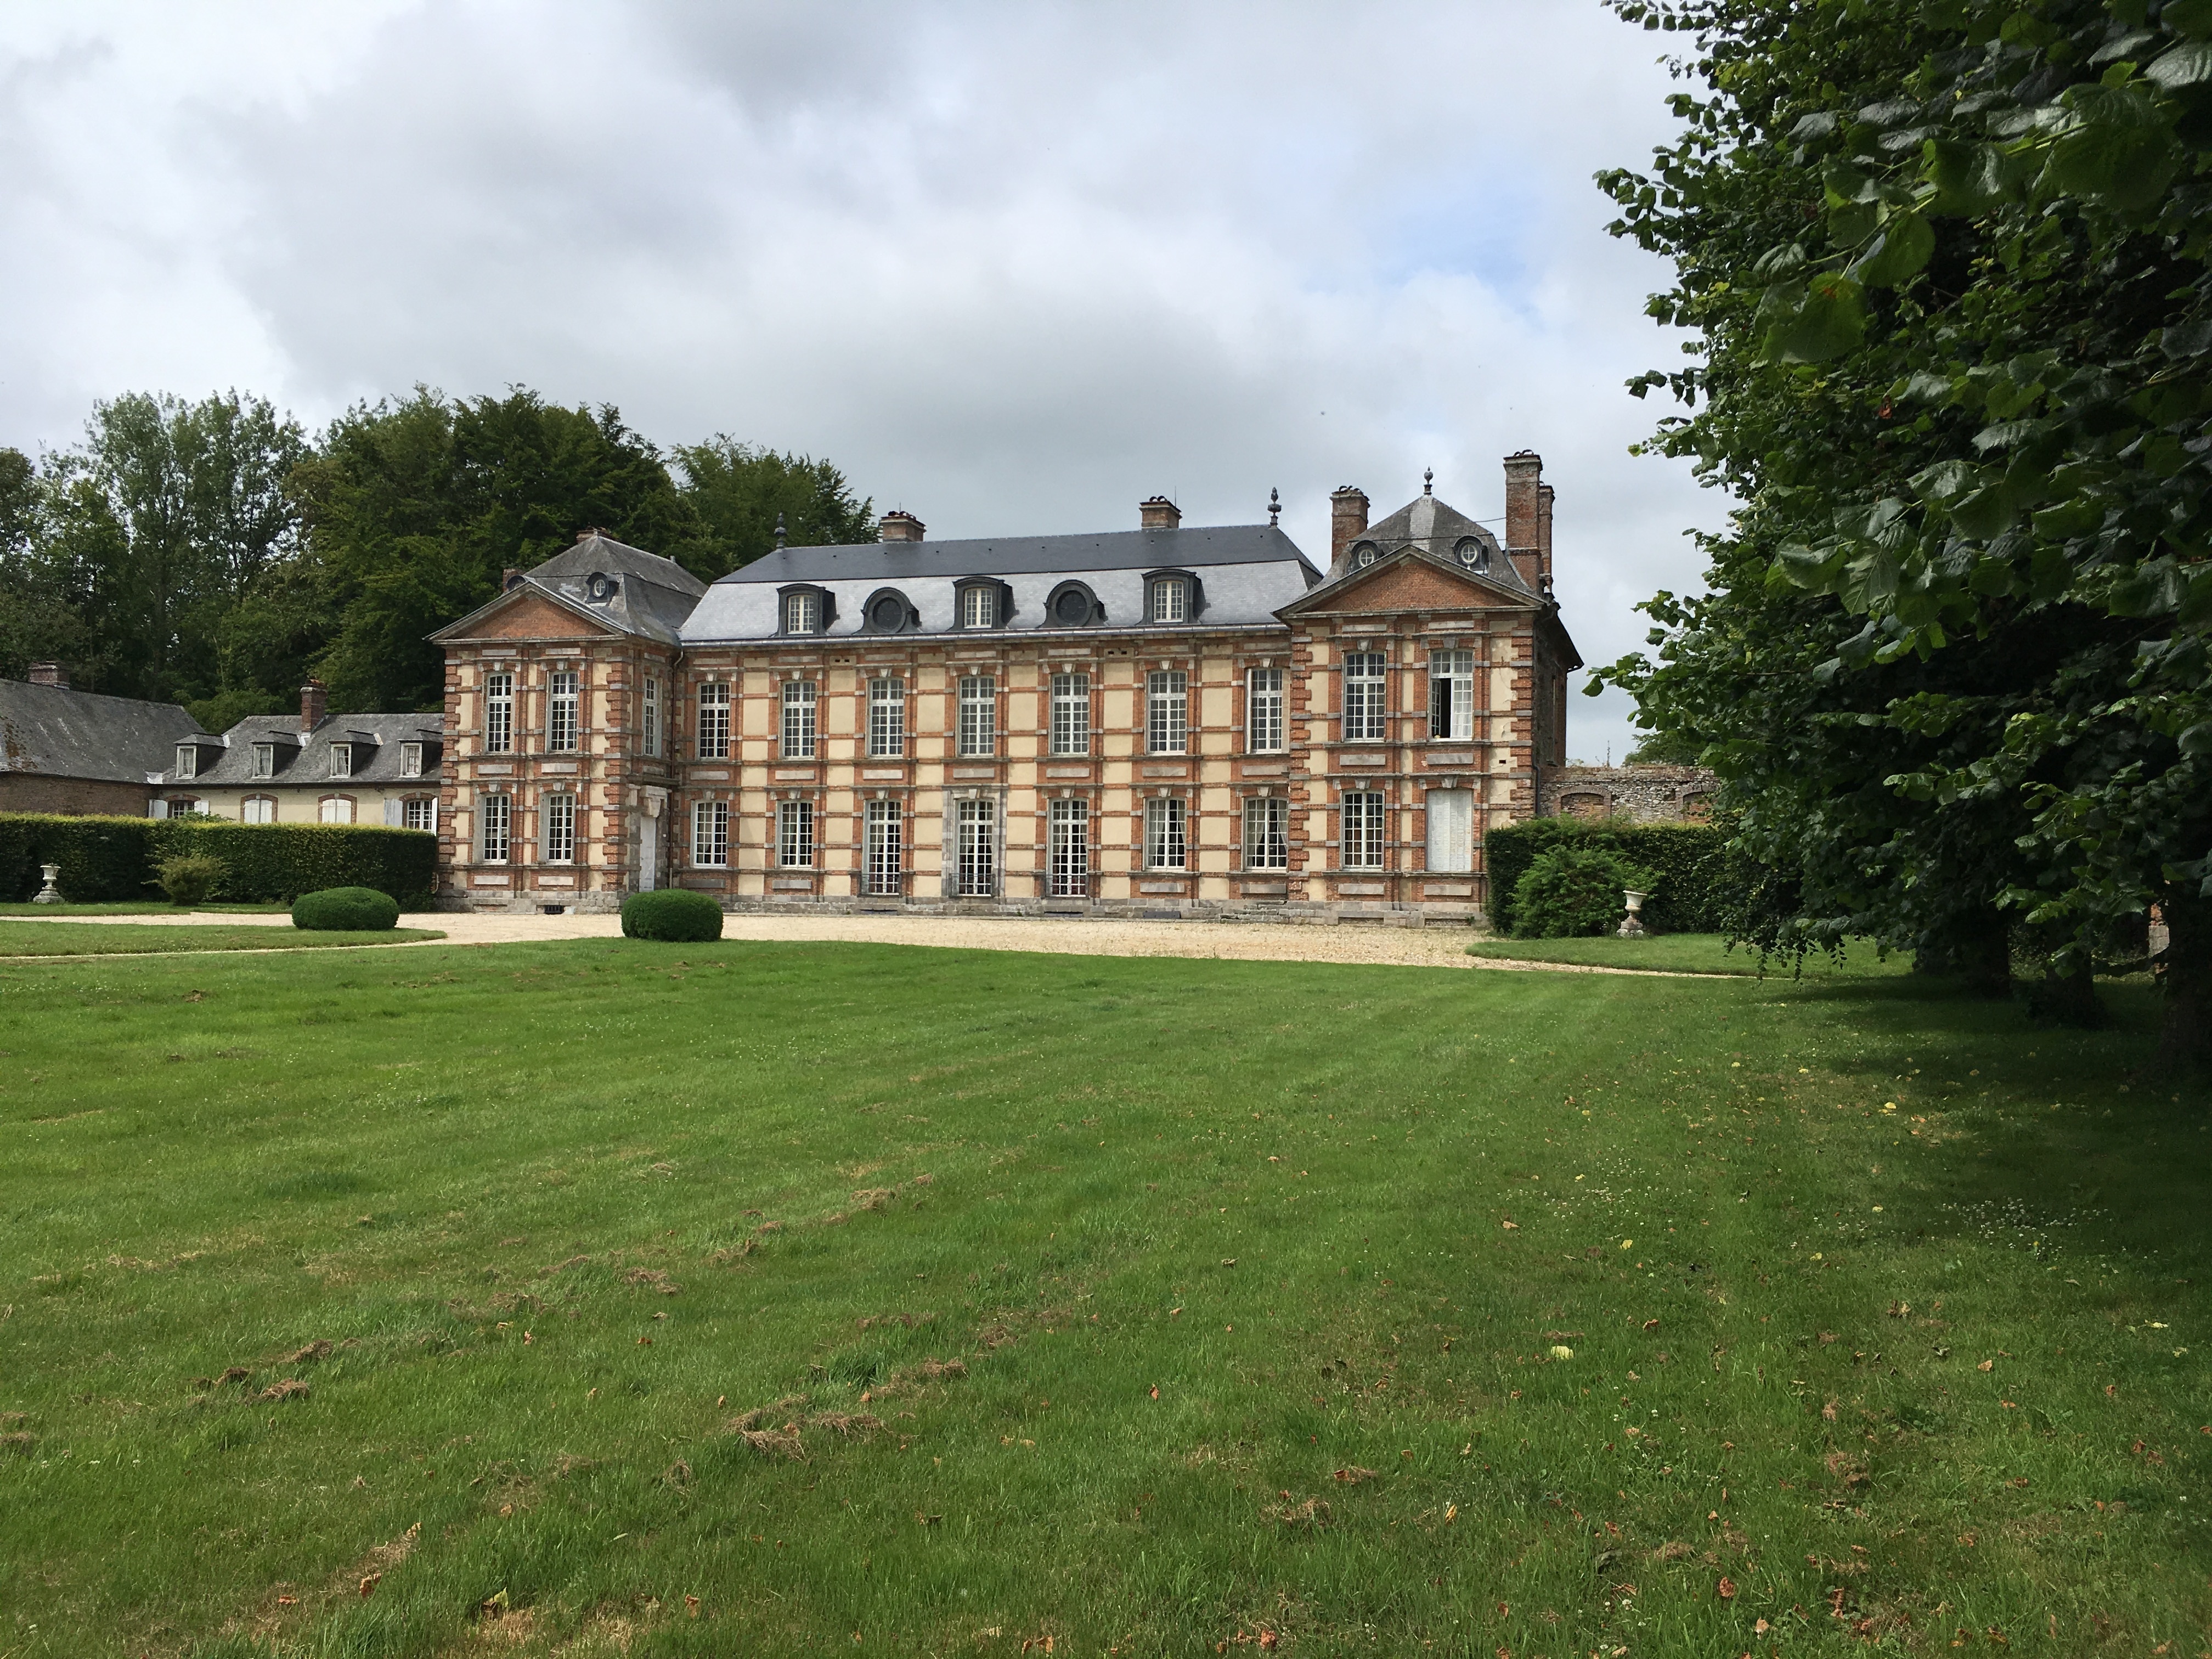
561 712
883 846
886 719
979 606
1263 711
265 760
975 848
714 720
710 833
794 835
341 760
652 717
1165 847
1071 713
410 760
798 720
802 613
1267 833
420 813
188 761
1363 830
1451 694
1068 849
1167 712
560 829
258 809
499 714
1170 599
496 821
978 714
1451 830
1362 696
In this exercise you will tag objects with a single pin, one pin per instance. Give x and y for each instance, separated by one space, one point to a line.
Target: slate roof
59 733
1246 573
624 588
303 758
1438 528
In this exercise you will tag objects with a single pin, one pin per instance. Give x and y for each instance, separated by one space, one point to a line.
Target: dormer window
802 613
1170 596
1364 555
1073 605
188 760
341 760
265 760
1472 553
410 760
979 607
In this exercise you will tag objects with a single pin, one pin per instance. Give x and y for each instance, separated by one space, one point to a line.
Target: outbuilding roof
56 732
302 759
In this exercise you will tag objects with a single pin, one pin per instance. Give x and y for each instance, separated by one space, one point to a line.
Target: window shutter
392 810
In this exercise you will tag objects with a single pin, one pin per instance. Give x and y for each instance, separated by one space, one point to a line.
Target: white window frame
1167 833
265 760
715 719
651 718
978 734
1366 689
1363 815
562 706
410 760
424 807
1070 715
1263 711
794 835
1451 696
802 613
1266 832
1167 712
979 606
1170 599
801 700
1067 847
886 719
188 760
495 829
560 829
341 760
710 834
884 848
499 715
976 847
258 809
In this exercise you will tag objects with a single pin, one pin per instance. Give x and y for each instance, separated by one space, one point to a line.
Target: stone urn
50 893
1631 925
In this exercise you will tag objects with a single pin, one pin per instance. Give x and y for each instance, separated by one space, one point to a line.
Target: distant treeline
216 554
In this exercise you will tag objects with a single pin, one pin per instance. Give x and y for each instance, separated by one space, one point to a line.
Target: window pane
794 837
1363 817
1170 599
653 717
798 720
1267 832
419 815
885 847
1167 712
714 720
1164 846
1451 694
887 719
710 833
495 814
560 829
1451 830
1263 711
979 607
802 613
1068 850
1071 713
499 714
979 716
561 713
341 760
975 873
259 809
1363 696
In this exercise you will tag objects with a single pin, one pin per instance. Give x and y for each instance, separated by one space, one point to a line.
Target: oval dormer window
1471 552
600 587
1073 606
888 613
1363 554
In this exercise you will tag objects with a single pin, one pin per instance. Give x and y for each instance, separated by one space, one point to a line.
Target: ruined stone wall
1648 794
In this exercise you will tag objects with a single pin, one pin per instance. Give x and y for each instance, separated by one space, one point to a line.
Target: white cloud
1014 267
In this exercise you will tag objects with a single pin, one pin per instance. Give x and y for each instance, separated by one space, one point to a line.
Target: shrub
346 910
1697 878
189 878
1574 892
118 858
671 913
102 858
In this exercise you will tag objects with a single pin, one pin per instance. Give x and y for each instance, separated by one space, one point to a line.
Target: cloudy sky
1012 266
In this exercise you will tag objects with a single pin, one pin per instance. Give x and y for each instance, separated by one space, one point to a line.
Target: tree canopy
1947 266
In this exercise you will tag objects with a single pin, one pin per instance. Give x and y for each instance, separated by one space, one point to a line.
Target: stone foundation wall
1288 914
1648 794
31 791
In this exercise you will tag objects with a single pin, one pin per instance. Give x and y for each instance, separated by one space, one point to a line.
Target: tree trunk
1978 949
2068 998
2184 1043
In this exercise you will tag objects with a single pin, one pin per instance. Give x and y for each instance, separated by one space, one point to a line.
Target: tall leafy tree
38 622
1948 263
740 492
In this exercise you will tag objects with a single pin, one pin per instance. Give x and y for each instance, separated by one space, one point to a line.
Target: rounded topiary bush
1572 892
671 913
346 910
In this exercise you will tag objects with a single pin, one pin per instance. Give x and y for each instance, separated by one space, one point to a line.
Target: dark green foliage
189 878
1575 892
1694 874
672 914
104 858
345 910
740 492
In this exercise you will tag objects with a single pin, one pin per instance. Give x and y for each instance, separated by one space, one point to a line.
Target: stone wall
1648 794
31 791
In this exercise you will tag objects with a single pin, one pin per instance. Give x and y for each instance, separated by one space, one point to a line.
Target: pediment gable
1408 579
527 613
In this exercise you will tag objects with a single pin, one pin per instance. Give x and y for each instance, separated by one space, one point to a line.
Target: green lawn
141 908
1692 953
951 1301
109 939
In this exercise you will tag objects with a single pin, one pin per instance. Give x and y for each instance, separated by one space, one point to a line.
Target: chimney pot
900 525
314 701
50 673
1158 513
1347 520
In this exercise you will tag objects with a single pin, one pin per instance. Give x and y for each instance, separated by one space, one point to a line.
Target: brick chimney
1544 531
314 703
1525 515
1347 520
900 525
50 673
1158 513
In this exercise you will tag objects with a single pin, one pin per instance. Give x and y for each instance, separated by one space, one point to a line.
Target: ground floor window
258 809
1267 832
560 829
1166 843
336 809
420 813
975 871
884 847
1363 830
1451 831
495 816
710 833
1068 849
794 835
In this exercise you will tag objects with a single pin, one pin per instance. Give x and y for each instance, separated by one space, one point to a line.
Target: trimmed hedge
345 910
106 858
1694 872
1574 892
673 914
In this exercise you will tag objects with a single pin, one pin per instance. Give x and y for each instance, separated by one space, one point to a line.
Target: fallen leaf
369 1584
1987 1365
1727 1589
